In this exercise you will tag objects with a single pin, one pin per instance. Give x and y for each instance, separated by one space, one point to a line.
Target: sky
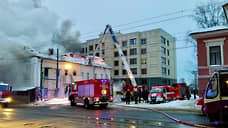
174 16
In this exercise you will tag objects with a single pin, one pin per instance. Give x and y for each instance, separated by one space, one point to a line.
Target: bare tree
209 15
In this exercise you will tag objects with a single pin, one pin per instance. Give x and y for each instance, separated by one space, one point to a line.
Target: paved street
59 116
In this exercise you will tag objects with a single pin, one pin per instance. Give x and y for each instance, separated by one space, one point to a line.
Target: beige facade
68 73
151 56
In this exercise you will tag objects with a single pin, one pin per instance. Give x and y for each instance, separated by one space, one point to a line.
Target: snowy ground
187 105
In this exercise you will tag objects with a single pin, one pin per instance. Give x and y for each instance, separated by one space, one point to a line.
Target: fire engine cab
91 92
161 94
4 94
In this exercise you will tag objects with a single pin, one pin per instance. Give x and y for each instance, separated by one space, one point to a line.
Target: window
163 60
116 63
45 72
163 50
162 39
85 50
95 75
212 89
124 43
133 61
224 84
114 46
167 42
143 61
116 72
98 54
91 48
215 55
102 44
143 41
163 71
167 52
125 52
124 72
103 51
143 51
87 75
133 51
168 62
74 73
116 54
144 71
133 41
96 46
168 72
66 72
134 70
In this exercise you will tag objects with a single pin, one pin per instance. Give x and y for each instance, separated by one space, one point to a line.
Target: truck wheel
5 105
86 103
103 105
164 100
72 101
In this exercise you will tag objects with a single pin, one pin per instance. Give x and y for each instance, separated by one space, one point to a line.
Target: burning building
27 31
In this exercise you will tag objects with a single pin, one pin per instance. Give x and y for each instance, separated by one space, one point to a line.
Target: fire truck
162 94
181 91
91 92
5 98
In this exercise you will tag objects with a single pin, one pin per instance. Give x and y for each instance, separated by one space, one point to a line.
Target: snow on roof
78 59
216 28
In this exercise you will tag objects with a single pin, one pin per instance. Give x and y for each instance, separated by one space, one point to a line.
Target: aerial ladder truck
126 66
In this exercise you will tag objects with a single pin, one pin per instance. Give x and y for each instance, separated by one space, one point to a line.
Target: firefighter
140 95
136 96
146 95
128 96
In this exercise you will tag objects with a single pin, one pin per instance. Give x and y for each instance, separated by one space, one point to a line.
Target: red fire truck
91 92
4 94
162 94
181 91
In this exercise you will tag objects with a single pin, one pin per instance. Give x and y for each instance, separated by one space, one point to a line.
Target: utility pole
57 73
41 79
195 83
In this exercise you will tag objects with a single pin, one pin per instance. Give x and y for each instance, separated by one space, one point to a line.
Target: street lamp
225 8
68 66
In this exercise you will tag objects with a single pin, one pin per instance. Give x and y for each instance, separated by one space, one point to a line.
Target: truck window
212 89
75 86
224 84
4 88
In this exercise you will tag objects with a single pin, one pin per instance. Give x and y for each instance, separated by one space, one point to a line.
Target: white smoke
26 29
24 25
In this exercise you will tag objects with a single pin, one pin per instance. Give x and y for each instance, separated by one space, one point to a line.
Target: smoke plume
27 28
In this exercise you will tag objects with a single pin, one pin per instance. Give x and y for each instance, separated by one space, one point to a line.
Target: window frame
215 76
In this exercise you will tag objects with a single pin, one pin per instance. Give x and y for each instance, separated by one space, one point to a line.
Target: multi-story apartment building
151 56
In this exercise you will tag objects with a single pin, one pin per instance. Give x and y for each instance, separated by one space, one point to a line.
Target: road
59 116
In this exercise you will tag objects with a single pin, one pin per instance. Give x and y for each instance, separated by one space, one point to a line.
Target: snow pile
53 101
172 105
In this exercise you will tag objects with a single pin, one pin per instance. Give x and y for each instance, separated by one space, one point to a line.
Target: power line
145 19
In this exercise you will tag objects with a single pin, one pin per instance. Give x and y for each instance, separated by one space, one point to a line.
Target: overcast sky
174 16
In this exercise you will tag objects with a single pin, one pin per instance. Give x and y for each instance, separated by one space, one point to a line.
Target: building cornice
207 34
